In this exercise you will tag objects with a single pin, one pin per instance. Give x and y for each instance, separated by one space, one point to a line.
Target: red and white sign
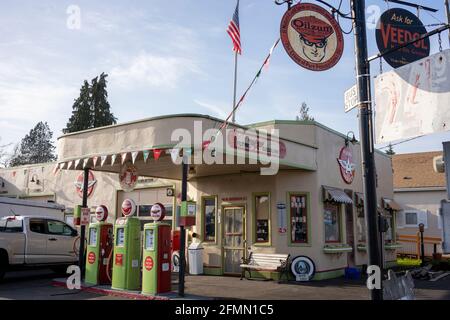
91 258
85 216
79 184
128 177
128 207
148 263
312 37
118 259
101 213
158 212
346 165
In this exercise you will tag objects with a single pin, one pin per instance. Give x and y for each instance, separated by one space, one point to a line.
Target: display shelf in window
392 246
342 248
298 219
262 230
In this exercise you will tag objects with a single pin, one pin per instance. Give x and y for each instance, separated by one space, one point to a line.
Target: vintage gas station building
306 209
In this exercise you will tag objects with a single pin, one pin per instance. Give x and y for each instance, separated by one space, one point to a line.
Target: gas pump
127 249
156 273
99 248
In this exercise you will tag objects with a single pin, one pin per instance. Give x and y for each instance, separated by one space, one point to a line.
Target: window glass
93 237
262 214
411 218
331 222
298 219
144 210
120 241
37 226
58 228
11 226
209 209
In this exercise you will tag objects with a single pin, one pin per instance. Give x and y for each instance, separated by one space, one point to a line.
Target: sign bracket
424 36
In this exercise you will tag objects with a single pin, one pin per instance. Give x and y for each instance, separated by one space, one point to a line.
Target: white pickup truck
34 241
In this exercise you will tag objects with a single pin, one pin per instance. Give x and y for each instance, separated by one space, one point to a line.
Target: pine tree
390 151
304 113
91 109
35 147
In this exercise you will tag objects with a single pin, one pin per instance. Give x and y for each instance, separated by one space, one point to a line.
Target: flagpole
235 85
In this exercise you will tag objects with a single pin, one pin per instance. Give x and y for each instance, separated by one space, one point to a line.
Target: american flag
234 31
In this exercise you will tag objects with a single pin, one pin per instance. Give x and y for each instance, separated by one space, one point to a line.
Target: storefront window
361 225
262 216
209 218
332 222
298 218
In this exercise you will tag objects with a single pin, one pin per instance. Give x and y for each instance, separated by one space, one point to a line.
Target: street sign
351 98
397 27
312 37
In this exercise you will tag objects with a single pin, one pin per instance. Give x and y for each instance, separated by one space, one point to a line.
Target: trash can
195 252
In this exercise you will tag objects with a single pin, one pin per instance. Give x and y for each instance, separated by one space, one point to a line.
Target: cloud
219 111
152 70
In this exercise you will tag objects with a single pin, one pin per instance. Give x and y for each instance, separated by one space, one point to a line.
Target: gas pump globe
156 271
127 249
99 248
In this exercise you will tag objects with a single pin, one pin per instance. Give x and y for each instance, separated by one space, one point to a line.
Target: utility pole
182 269
366 136
447 10
83 227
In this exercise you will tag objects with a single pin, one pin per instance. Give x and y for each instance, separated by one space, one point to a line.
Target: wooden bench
265 262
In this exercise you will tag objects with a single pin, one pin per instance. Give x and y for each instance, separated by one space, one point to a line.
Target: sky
168 57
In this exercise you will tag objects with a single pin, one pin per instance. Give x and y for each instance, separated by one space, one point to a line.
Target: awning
336 195
389 204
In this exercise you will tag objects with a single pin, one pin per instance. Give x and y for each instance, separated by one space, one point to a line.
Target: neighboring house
419 190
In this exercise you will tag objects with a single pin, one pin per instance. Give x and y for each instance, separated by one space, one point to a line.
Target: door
36 247
350 235
60 242
233 239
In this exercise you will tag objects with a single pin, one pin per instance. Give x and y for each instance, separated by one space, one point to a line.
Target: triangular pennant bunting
113 159
146 153
124 157
61 165
69 165
103 160
77 162
175 153
134 156
55 170
85 162
157 153
95 159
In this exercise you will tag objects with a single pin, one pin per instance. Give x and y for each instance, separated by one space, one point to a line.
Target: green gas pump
127 249
156 271
99 249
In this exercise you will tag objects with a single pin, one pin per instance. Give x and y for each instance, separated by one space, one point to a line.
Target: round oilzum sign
91 258
101 213
128 207
158 212
346 165
148 263
397 27
312 37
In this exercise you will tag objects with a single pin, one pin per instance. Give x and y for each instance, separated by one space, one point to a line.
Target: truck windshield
12 226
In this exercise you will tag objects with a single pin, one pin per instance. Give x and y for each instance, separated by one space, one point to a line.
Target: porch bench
265 262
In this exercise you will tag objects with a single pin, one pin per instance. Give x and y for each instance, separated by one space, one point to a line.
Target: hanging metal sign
346 165
312 37
397 27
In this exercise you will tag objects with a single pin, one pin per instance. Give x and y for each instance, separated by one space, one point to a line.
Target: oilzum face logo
231 146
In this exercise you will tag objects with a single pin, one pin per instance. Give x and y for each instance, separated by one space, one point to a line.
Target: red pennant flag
157 153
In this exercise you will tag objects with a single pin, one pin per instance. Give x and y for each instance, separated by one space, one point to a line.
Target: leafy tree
4 155
390 151
36 147
91 109
304 113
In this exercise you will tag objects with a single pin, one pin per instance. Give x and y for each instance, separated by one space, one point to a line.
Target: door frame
224 207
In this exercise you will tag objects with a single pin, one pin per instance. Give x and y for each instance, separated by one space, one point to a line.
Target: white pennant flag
95 159
77 162
134 156
69 165
61 165
113 159
103 160
175 153
124 157
85 162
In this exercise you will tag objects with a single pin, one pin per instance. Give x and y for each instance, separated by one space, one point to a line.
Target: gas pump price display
226 310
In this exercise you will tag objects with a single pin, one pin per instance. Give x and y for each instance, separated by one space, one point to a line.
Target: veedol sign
397 27
312 37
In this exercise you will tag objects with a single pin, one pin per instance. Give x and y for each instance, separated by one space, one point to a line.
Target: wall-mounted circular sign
79 184
128 177
158 212
312 37
346 165
303 268
101 213
397 27
128 207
